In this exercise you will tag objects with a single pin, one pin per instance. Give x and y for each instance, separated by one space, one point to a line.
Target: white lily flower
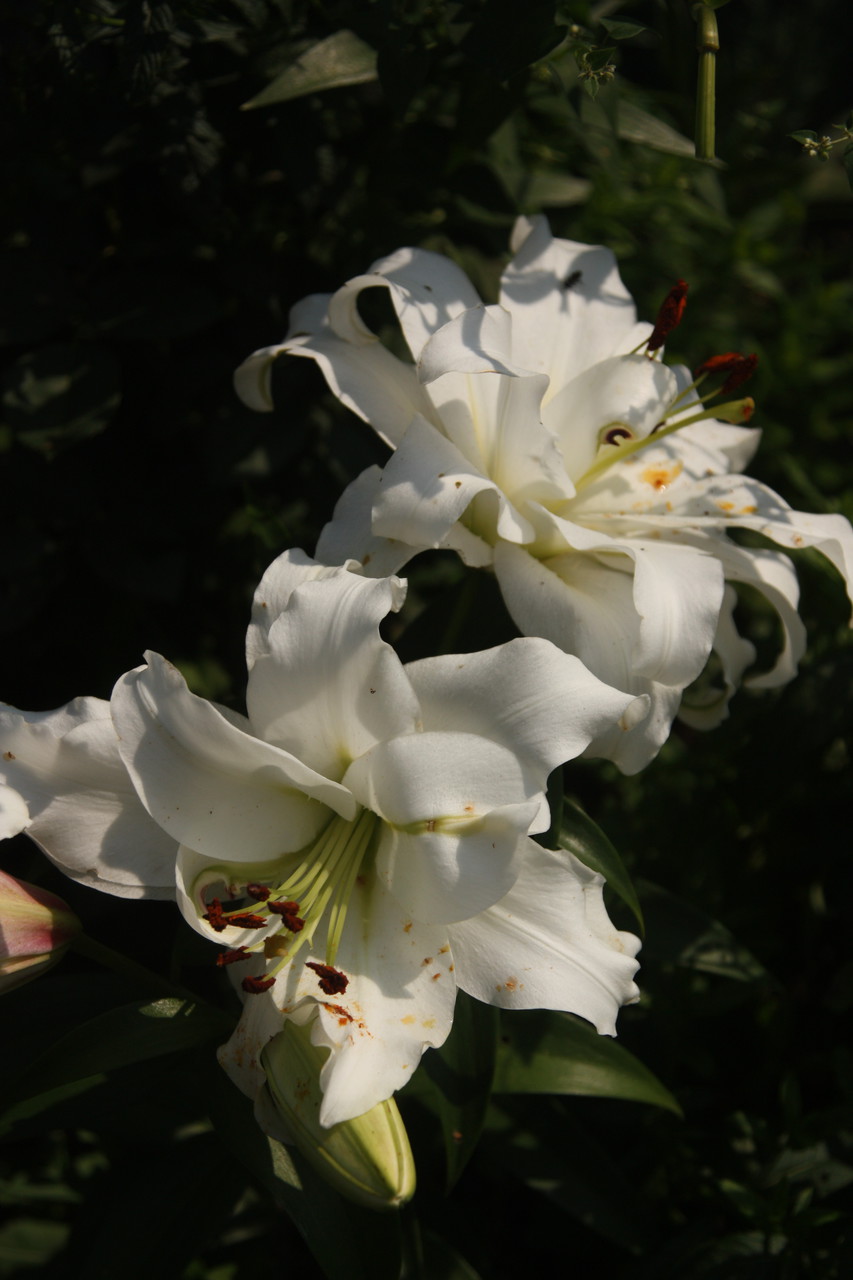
545 439
360 842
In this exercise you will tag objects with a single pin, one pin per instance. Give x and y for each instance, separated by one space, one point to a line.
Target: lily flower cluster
545 439
360 842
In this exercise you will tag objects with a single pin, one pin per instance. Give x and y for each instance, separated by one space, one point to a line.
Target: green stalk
708 44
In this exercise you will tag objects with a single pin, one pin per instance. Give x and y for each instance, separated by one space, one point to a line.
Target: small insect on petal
669 316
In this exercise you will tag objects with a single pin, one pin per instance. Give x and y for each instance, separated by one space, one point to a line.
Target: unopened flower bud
367 1159
35 930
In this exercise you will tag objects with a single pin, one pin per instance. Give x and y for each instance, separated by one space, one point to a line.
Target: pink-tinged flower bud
35 930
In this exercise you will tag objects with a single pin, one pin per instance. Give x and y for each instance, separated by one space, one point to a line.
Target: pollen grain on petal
660 476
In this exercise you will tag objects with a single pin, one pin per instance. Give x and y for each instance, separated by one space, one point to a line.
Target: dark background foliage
153 234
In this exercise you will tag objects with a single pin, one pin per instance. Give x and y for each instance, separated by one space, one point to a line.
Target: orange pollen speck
660 477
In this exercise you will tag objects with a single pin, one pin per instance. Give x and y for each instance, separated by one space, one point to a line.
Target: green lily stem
138 974
708 44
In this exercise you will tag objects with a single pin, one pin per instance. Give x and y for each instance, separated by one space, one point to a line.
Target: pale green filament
326 876
733 411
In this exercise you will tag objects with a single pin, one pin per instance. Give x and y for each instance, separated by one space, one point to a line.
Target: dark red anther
259 892
231 957
669 316
289 912
214 917
247 921
332 981
738 368
256 986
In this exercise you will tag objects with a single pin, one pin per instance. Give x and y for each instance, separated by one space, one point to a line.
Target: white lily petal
424 779
568 305
643 730
773 575
625 607
460 868
364 375
274 590
630 393
428 484
646 632
475 341
426 290
261 1019
253 378
549 944
220 791
67 788
329 688
453 806
199 880
706 708
736 444
748 504
398 1002
490 410
549 708
349 534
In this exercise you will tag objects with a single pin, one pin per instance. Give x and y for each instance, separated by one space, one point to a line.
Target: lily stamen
319 889
734 411
669 316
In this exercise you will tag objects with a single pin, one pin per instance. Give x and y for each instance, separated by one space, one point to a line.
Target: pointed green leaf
681 933
362 1246
84 1057
847 161
621 30
637 125
546 1052
804 135
585 839
339 60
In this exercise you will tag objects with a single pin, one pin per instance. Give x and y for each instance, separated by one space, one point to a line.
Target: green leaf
455 1081
555 1155
363 1245
547 1052
637 125
29 1242
585 839
847 161
682 934
61 394
339 60
185 1199
133 1033
804 135
621 30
